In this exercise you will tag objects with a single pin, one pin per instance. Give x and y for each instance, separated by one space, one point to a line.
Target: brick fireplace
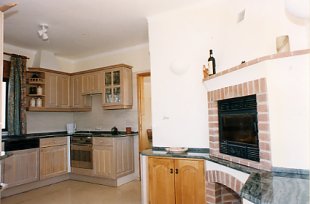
259 88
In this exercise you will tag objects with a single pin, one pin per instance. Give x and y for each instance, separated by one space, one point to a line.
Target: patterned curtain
17 123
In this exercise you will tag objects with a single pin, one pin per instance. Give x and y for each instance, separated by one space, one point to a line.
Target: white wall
138 57
179 45
288 96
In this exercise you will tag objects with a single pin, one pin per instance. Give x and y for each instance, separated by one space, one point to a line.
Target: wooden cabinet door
77 98
161 181
53 161
117 91
85 84
51 95
189 181
124 156
103 161
63 91
21 167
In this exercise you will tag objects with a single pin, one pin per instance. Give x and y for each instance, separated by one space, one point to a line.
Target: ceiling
81 28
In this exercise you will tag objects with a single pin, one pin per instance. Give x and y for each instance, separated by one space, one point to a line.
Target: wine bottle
211 64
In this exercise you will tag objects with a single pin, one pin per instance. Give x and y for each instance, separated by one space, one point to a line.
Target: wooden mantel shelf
258 60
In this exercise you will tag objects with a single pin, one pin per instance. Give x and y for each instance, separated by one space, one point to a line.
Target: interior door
144 111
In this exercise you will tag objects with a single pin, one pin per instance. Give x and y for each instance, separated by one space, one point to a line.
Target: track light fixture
43 31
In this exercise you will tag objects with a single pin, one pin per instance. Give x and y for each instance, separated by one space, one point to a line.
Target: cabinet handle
176 171
171 171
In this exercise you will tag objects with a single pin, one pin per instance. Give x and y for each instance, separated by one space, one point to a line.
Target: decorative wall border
258 87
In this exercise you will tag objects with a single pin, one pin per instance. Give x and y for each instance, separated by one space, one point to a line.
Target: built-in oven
81 149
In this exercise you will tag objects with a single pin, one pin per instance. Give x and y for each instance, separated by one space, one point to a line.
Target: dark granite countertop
188 154
261 187
274 188
4 155
64 134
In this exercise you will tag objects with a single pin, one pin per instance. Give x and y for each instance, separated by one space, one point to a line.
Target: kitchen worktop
261 187
64 134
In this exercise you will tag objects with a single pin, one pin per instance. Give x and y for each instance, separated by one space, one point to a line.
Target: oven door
81 156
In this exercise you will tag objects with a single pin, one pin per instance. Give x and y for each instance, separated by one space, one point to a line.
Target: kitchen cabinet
92 83
21 167
63 91
35 89
53 157
57 90
176 181
78 100
117 93
113 157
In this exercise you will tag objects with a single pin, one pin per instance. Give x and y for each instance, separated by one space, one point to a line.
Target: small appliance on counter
114 131
71 127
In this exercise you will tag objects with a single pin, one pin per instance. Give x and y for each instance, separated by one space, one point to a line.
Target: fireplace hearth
238 129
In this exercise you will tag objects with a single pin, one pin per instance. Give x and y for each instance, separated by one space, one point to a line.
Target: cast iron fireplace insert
238 130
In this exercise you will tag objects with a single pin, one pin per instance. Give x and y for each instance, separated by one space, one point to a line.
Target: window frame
6 104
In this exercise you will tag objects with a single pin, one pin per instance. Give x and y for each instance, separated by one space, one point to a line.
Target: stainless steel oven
81 149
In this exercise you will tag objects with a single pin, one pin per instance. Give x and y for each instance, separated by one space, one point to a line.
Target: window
5 88
4 107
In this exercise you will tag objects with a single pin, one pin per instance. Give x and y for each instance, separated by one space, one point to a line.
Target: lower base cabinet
21 167
176 181
113 157
53 157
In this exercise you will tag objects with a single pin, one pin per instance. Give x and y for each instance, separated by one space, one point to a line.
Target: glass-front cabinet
118 88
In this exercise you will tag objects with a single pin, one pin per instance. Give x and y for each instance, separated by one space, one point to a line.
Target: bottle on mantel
211 64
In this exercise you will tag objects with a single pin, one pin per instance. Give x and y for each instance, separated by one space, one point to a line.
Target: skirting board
104 181
30 186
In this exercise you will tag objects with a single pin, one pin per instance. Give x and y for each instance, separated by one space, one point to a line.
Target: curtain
17 97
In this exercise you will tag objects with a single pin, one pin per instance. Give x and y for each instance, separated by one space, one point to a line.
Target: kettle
114 131
71 128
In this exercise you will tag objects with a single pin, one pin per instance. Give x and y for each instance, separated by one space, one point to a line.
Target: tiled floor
75 192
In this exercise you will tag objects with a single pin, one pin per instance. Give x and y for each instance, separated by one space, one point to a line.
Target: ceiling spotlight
43 31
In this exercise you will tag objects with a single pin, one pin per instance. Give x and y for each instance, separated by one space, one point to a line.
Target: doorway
144 111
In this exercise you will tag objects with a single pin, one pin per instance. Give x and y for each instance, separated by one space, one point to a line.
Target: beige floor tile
75 192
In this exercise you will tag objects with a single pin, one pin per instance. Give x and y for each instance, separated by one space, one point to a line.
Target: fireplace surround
258 88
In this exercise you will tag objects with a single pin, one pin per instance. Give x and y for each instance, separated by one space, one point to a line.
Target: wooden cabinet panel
51 98
53 157
57 89
76 91
161 181
104 161
189 182
21 168
92 82
63 91
124 155
177 181
113 157
53 141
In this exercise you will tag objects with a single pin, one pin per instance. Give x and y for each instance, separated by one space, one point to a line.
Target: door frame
140 90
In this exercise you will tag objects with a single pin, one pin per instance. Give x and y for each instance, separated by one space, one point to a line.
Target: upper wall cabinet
48 90
55 91
117 93
78 100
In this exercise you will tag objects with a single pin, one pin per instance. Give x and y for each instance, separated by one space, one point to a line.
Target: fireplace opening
238 130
